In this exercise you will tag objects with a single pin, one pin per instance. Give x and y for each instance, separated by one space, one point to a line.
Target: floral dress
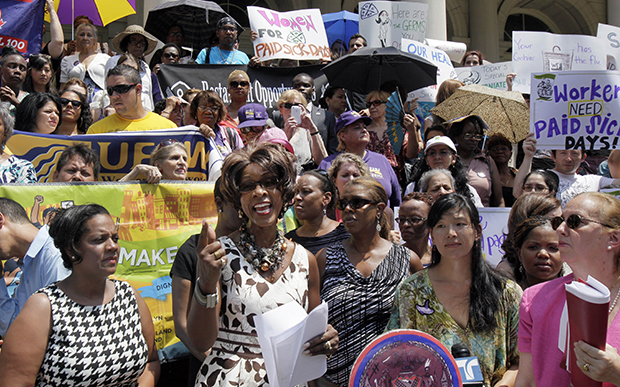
416 306
236 358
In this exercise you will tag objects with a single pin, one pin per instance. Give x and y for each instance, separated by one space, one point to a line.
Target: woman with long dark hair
39 75
76 116
460 298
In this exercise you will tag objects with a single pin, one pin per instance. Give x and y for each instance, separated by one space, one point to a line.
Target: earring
219 210
379 224
608 248
240 214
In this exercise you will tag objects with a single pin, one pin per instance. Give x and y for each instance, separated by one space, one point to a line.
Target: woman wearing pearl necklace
589 242
251 271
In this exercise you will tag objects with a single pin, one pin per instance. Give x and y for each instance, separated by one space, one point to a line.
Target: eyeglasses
375 103
573 221
255 129
477 137
235 84
167 142
535 188
175 34
500 149
210 109
268 183
434 153
120 89
288 105
355 203
138 42
229 29
169 55
403 221
75 104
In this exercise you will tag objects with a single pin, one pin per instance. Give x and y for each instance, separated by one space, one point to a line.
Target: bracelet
208 301
315 133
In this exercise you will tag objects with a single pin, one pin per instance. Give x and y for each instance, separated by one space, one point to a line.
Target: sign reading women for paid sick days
385 23
576 110
292 35
535 52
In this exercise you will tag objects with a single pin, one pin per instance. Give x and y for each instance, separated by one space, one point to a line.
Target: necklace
613 304
226 60
268 258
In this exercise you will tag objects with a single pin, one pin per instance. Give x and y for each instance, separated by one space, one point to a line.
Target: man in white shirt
567 163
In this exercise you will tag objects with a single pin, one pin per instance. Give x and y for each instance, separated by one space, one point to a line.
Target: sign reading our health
535 52
385 23
576 110
292 35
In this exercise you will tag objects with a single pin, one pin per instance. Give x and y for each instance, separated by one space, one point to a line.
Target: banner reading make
293 35
576 110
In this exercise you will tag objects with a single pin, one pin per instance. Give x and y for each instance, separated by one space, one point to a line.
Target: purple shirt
380 169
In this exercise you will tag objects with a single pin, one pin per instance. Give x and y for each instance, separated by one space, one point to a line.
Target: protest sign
385 23
293 35
455 50
118 152
535 52
154 221
21 25
426 96
494 222
266 83
491 75
610 35
576 110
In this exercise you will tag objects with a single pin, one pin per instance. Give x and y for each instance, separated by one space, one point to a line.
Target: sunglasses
573 221
167 142
402 221
75 104
255 129
169 55
355 203
375 103
288 105
268 183
235 84
120 89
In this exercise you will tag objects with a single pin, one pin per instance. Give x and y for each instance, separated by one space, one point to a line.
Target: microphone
469 366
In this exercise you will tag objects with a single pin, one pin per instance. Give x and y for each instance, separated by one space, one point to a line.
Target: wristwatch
208 301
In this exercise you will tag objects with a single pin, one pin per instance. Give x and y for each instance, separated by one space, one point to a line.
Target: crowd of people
331 170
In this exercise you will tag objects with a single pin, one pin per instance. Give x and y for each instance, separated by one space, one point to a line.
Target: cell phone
296 113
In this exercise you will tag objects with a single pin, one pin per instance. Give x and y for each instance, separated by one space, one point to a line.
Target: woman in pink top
589 241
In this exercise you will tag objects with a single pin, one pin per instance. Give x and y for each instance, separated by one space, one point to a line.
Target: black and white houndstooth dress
98 345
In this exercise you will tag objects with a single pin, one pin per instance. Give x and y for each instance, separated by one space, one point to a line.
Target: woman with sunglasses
360 275
482 173
168 162
76 116
238 89
304 135
86 64
208 109
589 242
459 298
251 271
39 75
315 198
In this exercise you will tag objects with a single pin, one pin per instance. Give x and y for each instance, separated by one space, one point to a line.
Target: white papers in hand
281 334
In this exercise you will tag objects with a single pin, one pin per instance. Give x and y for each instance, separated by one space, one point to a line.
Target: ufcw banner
154 221
118 152
21 24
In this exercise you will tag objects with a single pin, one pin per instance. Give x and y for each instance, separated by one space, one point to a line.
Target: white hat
440 140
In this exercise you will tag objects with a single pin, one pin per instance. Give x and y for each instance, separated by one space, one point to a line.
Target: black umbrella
368 68
198 19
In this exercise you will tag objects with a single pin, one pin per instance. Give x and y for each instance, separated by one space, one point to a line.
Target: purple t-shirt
539 329
380 169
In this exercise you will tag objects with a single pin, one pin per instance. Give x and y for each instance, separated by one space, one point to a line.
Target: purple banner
21 23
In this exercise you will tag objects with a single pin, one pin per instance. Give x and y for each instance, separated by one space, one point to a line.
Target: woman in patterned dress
86 330
359 275
459 298
253 269
12 169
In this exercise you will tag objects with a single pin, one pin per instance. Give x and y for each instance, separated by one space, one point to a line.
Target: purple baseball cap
350 117
252 114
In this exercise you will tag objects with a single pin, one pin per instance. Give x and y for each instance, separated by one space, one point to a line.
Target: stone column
613 12
483 29
436 24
